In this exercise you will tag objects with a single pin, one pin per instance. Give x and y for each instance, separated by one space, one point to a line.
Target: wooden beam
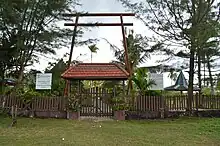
98 14
98 24
125 47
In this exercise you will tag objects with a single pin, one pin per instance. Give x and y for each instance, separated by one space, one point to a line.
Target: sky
112 34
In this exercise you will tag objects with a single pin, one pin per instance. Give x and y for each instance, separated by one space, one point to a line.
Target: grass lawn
184 131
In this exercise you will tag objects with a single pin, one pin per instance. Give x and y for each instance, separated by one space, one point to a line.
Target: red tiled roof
95 71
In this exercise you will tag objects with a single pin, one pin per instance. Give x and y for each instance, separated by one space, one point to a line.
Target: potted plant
73 111
119 108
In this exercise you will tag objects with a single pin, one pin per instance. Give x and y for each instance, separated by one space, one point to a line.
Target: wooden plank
145 104
178 103
170 103
154 103
141 103
151 103
43 104
218 103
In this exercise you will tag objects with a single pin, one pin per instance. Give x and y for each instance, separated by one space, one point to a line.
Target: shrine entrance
96 101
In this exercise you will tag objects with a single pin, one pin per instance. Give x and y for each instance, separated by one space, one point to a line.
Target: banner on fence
43 81
158 79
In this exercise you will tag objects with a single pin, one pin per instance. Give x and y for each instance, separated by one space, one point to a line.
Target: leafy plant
142 80
73 103
119 104
28 95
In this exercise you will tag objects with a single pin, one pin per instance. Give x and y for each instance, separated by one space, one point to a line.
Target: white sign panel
158 79
43 81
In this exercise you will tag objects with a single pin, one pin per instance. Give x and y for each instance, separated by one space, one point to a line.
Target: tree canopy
189 24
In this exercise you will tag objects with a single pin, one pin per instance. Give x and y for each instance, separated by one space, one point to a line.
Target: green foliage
29 95
218 85
119 104
153 93
58 84
93 48
138 50
188 25
206 91
142 81
73 103
29 29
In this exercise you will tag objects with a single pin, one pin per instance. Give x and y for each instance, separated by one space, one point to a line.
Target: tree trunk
204 71
199 69
199 74
210 75
191 77
2 77
19 80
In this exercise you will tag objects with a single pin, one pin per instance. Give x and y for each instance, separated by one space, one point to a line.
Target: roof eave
95 78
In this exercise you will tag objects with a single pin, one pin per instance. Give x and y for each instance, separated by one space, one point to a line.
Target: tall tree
33 26
179 22
211 53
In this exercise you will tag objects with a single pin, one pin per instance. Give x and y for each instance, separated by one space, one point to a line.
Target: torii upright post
76 24
67 88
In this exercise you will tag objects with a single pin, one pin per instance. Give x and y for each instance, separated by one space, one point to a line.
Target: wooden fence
35 104
147 103
40 106
56 106
203 102
175 103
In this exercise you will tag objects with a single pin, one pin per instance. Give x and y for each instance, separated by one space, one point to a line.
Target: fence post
197 104
96 99
162 107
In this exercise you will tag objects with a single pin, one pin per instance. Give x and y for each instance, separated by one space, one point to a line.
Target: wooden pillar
67 87
123 84
70 88
79 88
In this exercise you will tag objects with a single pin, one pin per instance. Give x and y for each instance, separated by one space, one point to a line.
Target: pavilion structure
97 100
95 71
180 85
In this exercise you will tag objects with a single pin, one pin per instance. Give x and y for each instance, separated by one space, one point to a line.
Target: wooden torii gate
77 24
